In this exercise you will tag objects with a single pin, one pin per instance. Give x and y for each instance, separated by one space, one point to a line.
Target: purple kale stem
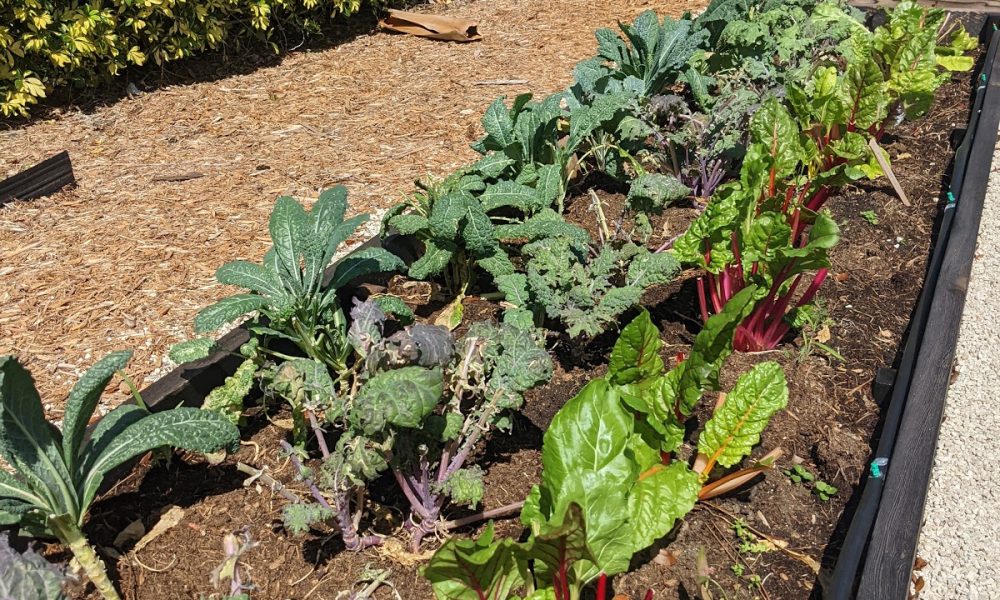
320 438
352 541
501 511
415 503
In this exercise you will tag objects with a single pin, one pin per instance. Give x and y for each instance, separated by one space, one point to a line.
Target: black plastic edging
892 548
841 584
47 177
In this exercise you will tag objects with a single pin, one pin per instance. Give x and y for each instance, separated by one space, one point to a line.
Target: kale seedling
871 216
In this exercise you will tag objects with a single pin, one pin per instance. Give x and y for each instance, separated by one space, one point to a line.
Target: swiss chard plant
57 473
585 291
423 404
606 490
754 232
767 228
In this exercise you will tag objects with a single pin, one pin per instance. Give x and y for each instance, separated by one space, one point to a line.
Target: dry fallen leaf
823 335
169 519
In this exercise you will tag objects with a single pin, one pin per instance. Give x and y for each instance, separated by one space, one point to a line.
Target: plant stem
502 511
320 439
271 482
72 537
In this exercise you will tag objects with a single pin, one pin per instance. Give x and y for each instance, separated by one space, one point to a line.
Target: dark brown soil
828 426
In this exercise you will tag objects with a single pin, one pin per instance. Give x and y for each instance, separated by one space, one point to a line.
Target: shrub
50 44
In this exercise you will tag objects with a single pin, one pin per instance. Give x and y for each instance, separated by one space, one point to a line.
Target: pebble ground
960 540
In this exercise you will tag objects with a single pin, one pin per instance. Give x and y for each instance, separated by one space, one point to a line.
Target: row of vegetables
753 112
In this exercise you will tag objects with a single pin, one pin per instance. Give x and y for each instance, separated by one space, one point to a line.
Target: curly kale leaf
298 518
464 486
401 398
228 398
588 293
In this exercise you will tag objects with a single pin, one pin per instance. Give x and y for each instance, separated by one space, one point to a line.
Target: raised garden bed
776 538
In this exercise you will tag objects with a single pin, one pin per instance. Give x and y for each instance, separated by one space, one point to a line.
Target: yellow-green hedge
48 44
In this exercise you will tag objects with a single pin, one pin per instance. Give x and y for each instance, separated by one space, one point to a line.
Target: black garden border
876 559
47 177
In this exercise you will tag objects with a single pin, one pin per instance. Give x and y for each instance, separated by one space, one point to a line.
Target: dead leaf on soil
168 520
394 549
823 335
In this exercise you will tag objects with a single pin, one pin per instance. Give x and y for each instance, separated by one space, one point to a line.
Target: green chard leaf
735 428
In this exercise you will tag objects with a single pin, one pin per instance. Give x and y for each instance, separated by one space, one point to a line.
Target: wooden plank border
47 177
892 548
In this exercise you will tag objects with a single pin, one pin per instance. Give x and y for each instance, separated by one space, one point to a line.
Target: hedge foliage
49 44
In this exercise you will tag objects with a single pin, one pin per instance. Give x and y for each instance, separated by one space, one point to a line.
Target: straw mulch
124 261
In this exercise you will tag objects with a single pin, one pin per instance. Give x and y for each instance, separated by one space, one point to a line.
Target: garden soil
126 259
878 271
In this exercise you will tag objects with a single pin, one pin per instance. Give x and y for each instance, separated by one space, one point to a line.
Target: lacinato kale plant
294 301
57 473
421 405
290 292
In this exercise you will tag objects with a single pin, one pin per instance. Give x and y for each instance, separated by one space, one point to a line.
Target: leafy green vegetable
289 289
227 399
419 405
735 427
28 576
565 282
57 474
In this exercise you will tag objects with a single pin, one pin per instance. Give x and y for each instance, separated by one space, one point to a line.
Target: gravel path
960 539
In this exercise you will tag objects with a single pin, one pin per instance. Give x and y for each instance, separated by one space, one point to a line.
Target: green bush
50 44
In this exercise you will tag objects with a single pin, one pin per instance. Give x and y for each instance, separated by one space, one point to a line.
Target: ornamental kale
57 474
28 576
586 292
421 404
